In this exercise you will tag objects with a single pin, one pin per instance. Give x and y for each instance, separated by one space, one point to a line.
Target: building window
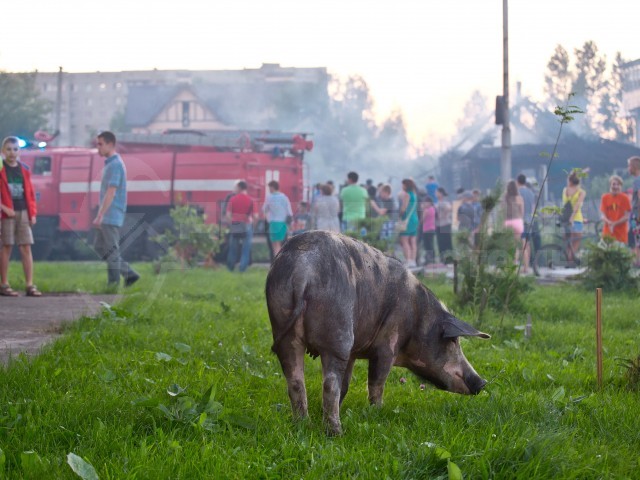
185 114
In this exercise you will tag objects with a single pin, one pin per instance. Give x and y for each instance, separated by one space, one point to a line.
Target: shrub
608 266
371 228
191 240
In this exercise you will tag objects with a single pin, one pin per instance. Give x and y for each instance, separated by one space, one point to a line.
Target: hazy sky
425 57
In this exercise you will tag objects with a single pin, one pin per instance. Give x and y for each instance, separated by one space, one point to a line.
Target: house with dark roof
475 161
156 108
252 104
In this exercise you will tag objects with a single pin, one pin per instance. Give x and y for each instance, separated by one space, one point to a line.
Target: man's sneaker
132 278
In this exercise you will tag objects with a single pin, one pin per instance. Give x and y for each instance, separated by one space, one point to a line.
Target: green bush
191 240
372 226
608 266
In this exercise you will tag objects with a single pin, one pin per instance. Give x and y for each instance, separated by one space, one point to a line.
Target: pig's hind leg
333 375
291 355
346 379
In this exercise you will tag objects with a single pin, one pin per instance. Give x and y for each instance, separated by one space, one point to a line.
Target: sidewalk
27 323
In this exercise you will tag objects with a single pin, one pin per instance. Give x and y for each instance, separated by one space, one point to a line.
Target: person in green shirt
354 200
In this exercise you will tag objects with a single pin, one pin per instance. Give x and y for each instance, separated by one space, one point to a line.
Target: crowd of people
420 219
423 219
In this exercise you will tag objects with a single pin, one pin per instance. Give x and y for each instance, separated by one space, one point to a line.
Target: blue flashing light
22 142
42 144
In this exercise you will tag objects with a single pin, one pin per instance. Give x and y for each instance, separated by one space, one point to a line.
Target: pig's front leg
379 368
333 373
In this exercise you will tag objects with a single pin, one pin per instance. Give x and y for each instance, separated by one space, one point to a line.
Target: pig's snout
474 383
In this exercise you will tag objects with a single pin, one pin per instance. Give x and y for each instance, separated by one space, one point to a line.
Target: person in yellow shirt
574 194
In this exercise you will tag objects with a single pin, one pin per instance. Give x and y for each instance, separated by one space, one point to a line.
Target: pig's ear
453 327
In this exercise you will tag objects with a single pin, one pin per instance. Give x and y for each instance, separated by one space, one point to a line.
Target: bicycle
554 255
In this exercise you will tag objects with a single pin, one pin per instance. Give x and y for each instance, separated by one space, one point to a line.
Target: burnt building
475 161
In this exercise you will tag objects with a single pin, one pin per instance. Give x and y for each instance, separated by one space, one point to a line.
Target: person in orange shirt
615 208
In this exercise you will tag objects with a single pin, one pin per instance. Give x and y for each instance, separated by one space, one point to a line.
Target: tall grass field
177 381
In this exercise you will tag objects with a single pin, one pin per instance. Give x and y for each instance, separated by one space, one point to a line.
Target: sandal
32 291
7 291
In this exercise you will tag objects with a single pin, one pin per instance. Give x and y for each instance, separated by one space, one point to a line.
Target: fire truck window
42 166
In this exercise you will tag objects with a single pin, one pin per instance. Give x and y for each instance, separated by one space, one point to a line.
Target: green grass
102 392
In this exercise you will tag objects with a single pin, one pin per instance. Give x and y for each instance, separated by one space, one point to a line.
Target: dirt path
28 323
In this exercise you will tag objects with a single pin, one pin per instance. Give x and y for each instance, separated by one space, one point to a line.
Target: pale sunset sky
423 57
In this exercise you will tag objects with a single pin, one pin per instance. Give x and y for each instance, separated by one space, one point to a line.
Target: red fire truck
177 167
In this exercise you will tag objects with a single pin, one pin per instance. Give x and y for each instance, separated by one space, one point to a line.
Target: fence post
599 337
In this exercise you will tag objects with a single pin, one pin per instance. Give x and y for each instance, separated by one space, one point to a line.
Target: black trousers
445 243
428 242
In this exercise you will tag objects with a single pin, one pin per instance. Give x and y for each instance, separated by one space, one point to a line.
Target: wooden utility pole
505 153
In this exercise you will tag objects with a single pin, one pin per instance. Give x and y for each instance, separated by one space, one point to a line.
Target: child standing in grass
18 216
614 208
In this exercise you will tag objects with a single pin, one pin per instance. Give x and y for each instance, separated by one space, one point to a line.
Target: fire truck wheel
158 226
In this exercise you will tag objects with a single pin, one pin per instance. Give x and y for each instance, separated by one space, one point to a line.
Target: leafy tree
557 79
389 143
475 114
589 85
597 90
22 111
590 68
348 138
611 122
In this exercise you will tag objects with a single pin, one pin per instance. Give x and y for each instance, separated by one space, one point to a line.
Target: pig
338 298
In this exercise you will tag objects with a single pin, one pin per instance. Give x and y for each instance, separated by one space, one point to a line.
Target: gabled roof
245 105
145 102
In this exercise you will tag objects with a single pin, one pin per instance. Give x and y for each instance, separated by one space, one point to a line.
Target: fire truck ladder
276 142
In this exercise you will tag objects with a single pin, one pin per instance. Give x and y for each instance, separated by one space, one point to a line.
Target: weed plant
190 240
609 266
178 381
488 270
631 372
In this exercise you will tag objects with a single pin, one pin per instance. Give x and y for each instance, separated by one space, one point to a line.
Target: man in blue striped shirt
111 213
